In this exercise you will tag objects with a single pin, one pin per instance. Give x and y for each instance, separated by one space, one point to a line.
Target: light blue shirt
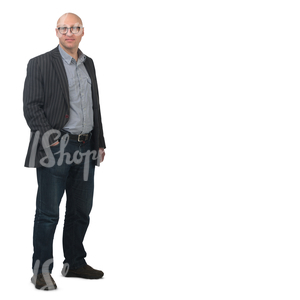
80 93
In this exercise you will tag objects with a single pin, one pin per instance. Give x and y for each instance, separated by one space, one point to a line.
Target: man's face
69 40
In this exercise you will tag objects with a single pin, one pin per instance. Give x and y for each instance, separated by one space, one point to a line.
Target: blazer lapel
90 70
61 74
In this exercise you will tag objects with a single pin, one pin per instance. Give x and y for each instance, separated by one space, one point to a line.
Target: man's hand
102 153
54 144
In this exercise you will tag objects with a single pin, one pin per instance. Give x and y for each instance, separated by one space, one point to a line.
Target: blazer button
67 116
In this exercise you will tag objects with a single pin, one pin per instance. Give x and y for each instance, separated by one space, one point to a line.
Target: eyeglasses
64 30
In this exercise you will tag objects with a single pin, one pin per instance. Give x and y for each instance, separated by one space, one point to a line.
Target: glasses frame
69 28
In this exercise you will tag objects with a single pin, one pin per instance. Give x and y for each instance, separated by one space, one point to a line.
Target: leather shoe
44 282
86 272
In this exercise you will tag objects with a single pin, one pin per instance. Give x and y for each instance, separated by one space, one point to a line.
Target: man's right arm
33 101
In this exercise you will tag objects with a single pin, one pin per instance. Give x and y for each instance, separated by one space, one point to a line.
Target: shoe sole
82 276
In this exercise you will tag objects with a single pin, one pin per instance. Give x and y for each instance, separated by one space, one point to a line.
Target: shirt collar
68 58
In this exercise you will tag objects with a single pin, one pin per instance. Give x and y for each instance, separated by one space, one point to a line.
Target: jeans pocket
55 148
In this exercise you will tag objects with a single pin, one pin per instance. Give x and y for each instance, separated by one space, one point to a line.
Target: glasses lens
75 29
63 30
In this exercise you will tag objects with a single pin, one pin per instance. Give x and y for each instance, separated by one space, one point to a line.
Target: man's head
65 25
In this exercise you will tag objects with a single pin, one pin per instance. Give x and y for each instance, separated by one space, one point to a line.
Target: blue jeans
52 183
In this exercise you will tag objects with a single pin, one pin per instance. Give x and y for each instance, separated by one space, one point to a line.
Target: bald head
69 18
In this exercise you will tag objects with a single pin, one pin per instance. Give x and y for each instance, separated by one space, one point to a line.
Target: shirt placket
81 94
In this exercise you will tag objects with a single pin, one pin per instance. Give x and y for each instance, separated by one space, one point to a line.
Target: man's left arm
101 137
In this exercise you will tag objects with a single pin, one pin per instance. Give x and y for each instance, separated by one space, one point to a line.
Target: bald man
62 110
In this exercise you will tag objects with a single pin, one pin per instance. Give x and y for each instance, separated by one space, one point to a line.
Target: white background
198 196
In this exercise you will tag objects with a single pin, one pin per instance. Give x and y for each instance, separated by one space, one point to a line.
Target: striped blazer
46 103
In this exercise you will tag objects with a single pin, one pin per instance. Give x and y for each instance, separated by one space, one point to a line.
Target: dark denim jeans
52 183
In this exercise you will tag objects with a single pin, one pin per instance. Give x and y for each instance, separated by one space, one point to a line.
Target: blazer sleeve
101 135
33 101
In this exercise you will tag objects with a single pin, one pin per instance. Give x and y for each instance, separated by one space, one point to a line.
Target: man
61 107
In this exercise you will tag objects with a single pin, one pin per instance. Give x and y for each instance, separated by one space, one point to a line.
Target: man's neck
71 52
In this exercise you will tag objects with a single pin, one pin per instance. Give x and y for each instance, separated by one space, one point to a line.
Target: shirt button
66 116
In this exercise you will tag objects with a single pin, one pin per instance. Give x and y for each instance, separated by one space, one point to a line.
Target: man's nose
69 33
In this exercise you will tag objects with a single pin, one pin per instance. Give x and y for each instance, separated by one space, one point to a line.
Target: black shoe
86 272
44 282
